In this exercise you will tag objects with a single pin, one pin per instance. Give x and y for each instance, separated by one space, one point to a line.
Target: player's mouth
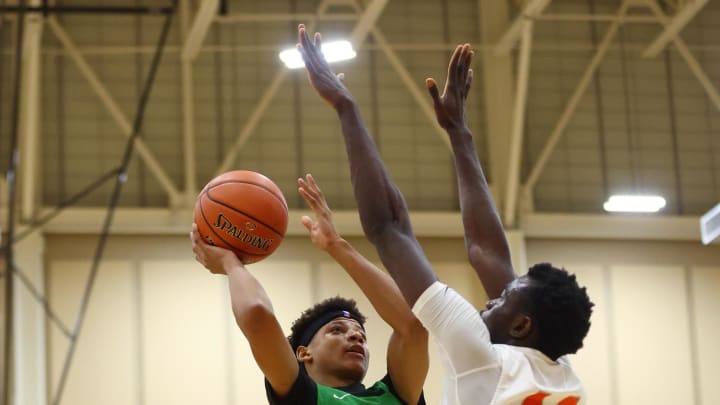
356 350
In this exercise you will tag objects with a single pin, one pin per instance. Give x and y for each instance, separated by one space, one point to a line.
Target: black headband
318 323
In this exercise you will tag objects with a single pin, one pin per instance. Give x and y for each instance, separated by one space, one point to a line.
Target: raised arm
407 355
383 212
485 241
253 313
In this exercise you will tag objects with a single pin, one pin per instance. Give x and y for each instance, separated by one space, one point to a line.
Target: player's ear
521 327
303 354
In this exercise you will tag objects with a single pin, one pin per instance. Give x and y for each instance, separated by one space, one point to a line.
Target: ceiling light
634 203
333 51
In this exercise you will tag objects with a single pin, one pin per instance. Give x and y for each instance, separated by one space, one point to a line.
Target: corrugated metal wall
643 125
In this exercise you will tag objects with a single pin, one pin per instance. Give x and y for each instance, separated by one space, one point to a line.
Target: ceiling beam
188 119
532 9
673 27
367 22
498 81
113 108
29 177
689 58
575 17
572 104
282 17
421 97
518 126
165 221
262 105
200 25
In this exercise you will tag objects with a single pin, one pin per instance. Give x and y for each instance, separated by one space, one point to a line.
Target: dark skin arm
383 212
485 241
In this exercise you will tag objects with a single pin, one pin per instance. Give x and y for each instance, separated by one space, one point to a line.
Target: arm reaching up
485 241
253 313
407 355
383 212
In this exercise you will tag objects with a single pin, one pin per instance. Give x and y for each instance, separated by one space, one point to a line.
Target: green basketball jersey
305 391
378 394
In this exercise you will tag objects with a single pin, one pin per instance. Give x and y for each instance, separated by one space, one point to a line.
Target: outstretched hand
216 259
322 230
328 85
450 106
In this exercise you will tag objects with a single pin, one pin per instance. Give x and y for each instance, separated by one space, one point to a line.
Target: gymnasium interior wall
159 329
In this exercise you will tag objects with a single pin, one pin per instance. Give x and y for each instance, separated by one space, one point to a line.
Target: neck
328 379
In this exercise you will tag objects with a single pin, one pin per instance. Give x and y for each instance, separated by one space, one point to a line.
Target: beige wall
159 329
654 321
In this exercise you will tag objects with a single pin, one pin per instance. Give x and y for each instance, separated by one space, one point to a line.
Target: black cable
9 259
599 109
2 76
45 9
38 223
41 300
672 117
121 179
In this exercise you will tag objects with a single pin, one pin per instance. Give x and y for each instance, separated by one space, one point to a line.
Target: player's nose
356 336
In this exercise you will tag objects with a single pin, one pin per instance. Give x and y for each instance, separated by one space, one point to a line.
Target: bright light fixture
333 51
634 203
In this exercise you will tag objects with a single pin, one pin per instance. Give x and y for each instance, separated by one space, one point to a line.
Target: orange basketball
243 211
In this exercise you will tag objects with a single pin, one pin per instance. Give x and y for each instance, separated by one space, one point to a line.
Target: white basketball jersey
528 377
479 372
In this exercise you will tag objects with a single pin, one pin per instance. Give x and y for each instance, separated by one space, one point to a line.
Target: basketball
243 211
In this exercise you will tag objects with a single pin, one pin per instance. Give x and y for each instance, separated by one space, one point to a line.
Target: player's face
500 312
340 348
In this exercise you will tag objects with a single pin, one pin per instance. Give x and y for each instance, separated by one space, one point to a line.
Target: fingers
313 184
469 58
310 50
453 61
465 67
463 63
196 247
195 236
312 188
433 89
314 197
463 57
308 194
308 198
341 77
303 39
305 46
307 222
459 72
468 82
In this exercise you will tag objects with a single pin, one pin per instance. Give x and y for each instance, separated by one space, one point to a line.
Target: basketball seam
243 213
282 200
212 229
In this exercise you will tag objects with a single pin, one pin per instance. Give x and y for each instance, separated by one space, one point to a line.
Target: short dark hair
561 309
308 316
